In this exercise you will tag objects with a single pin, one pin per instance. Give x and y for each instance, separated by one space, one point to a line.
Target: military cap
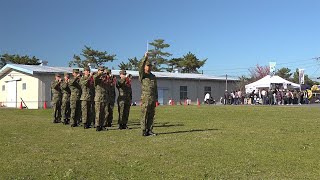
75 70
148 63
108 71
101 68
57 74
66 74
86 69
123 72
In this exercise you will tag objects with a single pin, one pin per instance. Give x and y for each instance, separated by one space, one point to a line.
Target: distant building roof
38 69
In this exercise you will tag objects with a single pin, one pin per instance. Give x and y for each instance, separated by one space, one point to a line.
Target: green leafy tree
17 59
95 57
158 56
174 63
190 63
243 81
124 66
133 64
285 73
307 80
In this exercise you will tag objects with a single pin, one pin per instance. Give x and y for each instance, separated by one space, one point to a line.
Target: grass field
210 142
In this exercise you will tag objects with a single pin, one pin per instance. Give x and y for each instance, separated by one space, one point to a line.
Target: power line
293 64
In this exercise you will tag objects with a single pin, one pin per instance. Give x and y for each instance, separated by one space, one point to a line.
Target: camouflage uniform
111 99
124 99
100 99
65 107
75 99
86 84
56 100
149 97
92 91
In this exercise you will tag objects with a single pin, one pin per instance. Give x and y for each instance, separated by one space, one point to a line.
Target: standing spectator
264 96
270 96
252 97
301 97
236 98
232 97
240 101
206 98
226 97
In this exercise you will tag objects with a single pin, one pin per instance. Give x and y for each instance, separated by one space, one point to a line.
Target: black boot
85 126
150 133
124 126
99 128
144 133
74 125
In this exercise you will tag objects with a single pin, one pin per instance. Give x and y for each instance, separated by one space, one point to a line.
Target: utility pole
226 82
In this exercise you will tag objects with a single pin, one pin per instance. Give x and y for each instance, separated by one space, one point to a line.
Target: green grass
210 142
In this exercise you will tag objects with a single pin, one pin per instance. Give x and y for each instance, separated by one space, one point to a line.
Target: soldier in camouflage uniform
65 107
100 99
111 80
86 84
92 91
75 103
149 96
124 99
56 98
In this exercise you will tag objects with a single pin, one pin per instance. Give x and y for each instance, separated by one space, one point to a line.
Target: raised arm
141 70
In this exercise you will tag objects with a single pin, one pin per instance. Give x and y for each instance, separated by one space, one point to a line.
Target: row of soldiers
89 98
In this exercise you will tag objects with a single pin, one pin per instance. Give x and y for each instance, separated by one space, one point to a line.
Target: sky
233 35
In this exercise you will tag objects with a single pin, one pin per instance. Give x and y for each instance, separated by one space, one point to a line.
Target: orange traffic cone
45 105
198 102
21 107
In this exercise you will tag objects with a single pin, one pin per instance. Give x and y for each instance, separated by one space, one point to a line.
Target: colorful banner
301 76
272 68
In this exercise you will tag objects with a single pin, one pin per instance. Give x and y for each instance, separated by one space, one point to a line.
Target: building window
24 86
3 87
183 92
207 89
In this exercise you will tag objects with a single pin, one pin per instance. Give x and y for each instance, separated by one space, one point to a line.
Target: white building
31 83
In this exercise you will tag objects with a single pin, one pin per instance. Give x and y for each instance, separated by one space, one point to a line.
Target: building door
163 96
160 96
12 94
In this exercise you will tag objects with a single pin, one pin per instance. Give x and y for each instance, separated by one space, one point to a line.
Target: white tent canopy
267 81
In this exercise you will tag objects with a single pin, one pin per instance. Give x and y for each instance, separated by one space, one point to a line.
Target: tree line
161 60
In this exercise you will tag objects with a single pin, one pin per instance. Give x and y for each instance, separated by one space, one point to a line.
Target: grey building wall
195 89
45 89
167 89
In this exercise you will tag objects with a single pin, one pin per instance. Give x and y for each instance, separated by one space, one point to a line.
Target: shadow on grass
164 124
167 124
188 131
